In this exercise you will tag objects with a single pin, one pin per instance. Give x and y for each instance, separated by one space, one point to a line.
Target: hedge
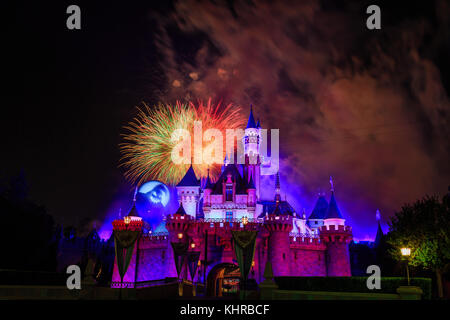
35 278
350 284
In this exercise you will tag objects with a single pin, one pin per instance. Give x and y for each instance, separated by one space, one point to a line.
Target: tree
425 228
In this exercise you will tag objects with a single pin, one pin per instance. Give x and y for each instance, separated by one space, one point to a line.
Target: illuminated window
229 216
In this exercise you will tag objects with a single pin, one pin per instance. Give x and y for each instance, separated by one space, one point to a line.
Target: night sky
370 108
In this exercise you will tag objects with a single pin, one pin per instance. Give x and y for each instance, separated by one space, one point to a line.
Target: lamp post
406 252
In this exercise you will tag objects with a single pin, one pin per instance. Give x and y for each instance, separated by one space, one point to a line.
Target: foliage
424 227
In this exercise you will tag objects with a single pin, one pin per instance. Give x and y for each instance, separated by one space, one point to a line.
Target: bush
350 284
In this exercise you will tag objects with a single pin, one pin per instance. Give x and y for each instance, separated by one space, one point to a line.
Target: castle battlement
134 225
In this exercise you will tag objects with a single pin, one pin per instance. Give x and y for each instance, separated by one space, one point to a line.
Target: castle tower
130 222
279 227
336 236
251 192
316 219
252 140
188 191
177 225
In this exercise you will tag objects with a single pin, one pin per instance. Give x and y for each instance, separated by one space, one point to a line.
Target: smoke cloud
366 107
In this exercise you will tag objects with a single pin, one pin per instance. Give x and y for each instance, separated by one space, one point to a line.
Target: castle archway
223 280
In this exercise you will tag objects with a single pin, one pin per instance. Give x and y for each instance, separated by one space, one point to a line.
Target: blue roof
181 211
208 184
284 208
133 212
379 235
161 228
333 210
251 185
189 179
251 120
258 124
320 209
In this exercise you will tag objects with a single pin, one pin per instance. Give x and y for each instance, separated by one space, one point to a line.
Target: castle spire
380 233
135 193
277 188
331 183
251 120
208 184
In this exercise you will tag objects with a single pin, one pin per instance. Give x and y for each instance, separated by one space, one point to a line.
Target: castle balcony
226 225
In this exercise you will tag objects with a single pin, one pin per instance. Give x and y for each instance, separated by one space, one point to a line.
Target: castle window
229 193
229 216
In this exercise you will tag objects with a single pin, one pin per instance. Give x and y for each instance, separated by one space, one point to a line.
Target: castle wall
308 263
279 253
338 260
155 260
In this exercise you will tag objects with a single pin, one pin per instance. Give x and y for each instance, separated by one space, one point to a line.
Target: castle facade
208 212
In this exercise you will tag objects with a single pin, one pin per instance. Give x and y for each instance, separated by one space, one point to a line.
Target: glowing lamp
405 252
244 220
180 236
192 245
199 263
127 220
253 263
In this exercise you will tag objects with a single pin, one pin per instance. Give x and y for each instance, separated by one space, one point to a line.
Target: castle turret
251 192
277 188
379 236
207 191
333 215
252 140
188 191
279 227
316 219
336 236
132 222
177 224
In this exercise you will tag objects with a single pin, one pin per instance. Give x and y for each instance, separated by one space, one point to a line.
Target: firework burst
147 150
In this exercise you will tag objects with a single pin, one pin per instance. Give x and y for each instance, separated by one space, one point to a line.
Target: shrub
350 284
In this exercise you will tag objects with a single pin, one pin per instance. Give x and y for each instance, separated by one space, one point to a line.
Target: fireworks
146 152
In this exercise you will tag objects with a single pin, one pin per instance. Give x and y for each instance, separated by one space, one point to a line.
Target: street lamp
406 252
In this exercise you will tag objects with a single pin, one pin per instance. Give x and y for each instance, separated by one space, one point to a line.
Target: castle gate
223 280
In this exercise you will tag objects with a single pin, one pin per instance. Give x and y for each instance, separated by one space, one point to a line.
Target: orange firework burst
147 150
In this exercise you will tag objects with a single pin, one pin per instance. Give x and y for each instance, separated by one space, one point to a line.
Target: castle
295 245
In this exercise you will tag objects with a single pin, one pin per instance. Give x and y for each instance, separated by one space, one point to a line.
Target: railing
303 235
